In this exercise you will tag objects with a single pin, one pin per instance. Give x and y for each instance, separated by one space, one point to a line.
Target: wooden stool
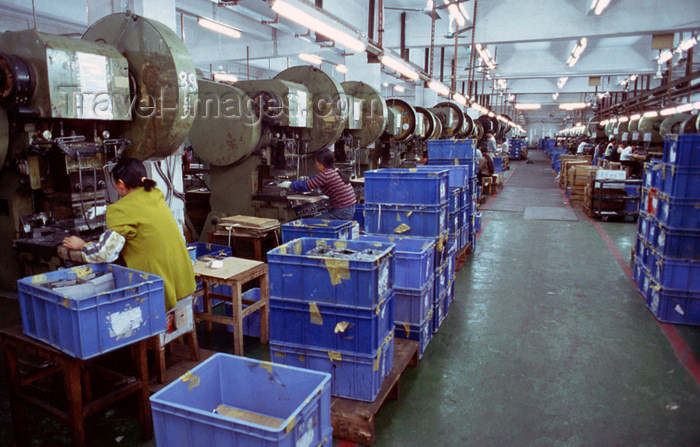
180 323
235 272
487 184
76 382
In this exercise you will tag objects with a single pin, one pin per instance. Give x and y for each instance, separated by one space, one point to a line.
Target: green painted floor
547 344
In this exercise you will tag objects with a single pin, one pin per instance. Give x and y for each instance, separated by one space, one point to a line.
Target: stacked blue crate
414 287
667 245
332 310
199 250
322 228
391 186
515 148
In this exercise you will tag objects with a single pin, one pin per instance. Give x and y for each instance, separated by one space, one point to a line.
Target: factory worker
610 148
142 229
332 183
490 142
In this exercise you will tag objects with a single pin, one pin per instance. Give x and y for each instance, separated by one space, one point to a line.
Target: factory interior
344 223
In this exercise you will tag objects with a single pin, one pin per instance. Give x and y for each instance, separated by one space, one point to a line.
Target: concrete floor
547 343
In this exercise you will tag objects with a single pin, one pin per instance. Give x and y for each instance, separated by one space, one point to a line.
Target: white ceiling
531 39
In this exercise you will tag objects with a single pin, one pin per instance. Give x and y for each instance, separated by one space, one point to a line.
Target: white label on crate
123 324
426 304
307 439
672 153
655 301
443 191
442 220
661 241
679 309
383 279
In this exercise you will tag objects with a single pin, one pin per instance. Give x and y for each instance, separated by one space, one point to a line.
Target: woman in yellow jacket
141 227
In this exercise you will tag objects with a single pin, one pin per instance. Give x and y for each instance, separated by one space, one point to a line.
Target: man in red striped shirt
331 182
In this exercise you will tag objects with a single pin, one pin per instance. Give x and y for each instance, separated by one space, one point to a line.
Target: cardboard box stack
578 180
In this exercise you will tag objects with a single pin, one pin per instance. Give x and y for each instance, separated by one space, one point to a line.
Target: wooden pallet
353 420
461 257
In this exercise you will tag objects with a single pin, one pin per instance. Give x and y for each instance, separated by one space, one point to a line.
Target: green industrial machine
633 129
432 125
649 129
69 108
399 144
297 113
673 124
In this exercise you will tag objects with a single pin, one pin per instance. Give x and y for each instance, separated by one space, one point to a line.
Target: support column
162 11
359 69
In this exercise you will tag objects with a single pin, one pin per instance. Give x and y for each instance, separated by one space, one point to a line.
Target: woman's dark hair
327 160
489 163
133 173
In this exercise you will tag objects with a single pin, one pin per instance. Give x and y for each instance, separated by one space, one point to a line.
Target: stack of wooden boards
245 226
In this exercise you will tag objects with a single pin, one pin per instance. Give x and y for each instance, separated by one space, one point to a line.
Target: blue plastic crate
359 216
439 311
682 150
414 259
251 323
653 174
642 276
453 198
679 274
442 278
406 220
362 281
673 306
354 330
673 242
128 308
451 263
457 149
358 377
406 186
453 221
329 229
458 175
451 162
413 306
422 333
477 222
200 249
678 213
464 237
681 182
184 411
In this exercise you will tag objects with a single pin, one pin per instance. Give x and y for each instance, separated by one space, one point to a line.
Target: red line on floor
680 348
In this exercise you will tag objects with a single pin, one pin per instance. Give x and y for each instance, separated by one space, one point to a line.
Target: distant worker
141 228
486 168
581 147
610 148
332 183
490 142
626 159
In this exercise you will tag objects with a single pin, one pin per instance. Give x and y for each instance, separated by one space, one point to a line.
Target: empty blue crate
422 333
453 220
497 164
251 323
679 213
406 220
477 222
458 175
414 259
353 376
92 309
350 273
329 229
673 306
682 150
456 149
336 328
359 216
453 199
439 311
406 186
679 274
681 182
228 400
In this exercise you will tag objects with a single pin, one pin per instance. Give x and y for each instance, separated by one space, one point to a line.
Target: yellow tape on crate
338 269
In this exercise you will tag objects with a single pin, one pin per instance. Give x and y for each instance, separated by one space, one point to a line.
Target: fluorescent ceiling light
562 81
439 87
295 14
225 77
599 6
650 114
555 96
687 44
399 89
491 114
398 66
684 108
340 68
613 120
528 106
604 122
311 58
456 12
636 116
573 105
623 119
385 84
459 98
668 111
219 27
665 56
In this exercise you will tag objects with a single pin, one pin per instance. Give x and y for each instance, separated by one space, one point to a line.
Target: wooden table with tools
77 377
234 272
